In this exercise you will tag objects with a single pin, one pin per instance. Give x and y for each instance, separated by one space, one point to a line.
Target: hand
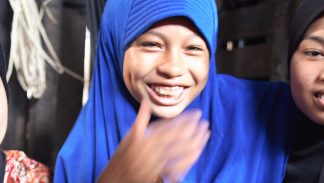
167 148
189 150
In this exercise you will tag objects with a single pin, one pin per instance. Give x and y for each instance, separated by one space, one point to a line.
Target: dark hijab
3 77
307 12
306 162
2 165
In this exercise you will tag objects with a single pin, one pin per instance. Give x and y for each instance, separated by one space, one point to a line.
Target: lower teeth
166 96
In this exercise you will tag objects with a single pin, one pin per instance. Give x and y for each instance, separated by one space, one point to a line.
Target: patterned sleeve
21 169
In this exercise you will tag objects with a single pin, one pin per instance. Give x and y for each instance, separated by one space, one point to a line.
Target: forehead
317 27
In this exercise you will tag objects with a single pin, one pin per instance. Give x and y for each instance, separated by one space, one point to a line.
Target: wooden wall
252 40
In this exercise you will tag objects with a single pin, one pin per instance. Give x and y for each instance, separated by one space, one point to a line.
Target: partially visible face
3 111
307 73
168 64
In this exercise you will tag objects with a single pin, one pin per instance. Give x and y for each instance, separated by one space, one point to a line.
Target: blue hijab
248 120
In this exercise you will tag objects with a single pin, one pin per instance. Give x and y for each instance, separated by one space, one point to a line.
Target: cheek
3 115
136 67
200 71
129 69
3 121
302 74
302 78
295 77
126 70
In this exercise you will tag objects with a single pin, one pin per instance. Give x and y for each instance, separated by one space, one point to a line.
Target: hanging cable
27 54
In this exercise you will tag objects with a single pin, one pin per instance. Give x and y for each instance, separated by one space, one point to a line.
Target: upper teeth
170 91
318 95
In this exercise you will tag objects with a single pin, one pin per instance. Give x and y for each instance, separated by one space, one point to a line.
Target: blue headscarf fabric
248 120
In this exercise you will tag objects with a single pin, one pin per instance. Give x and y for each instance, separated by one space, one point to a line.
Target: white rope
27 54
87 66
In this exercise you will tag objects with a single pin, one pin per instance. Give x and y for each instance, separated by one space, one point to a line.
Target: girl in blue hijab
249 122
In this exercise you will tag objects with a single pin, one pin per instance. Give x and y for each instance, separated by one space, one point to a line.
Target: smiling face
307 73
168 64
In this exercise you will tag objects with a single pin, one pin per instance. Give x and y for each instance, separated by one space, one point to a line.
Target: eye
313 53
150 45
194 48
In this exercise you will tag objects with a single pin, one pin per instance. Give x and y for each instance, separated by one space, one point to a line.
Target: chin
2 134
317 118
167 112
3 129
319 121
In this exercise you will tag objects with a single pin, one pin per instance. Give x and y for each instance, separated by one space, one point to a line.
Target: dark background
252 44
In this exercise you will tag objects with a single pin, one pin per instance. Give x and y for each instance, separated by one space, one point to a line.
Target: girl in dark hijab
15 166
306 62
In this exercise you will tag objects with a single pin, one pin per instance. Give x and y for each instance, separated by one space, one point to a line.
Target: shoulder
255 88
229 80
20 168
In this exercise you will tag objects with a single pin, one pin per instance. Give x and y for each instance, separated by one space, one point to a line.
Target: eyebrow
155 33
317 39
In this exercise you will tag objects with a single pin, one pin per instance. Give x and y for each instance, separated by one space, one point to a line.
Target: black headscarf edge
307 12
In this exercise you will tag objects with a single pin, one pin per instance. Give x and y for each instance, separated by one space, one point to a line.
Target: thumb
142 119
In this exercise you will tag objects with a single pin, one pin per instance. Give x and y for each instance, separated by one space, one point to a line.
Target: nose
321 75
172 65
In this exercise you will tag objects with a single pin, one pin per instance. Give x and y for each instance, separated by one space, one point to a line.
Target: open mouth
166 95
319 97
